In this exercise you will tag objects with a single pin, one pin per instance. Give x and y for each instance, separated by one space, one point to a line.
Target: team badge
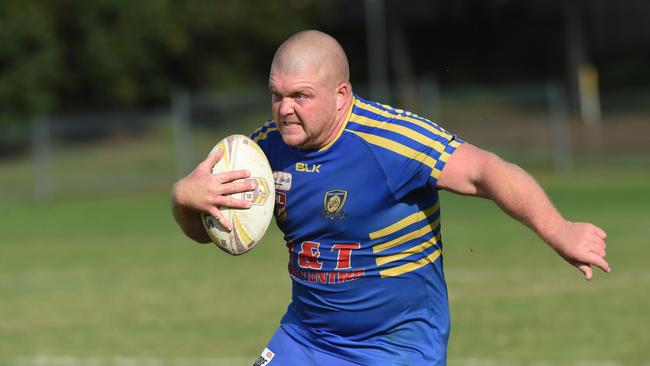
282 180
334 201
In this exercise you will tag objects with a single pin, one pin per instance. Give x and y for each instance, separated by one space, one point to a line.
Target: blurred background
104 104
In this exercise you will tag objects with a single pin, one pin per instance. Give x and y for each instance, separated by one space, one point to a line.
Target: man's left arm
475 172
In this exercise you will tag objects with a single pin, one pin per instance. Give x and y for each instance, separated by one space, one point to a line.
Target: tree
81 54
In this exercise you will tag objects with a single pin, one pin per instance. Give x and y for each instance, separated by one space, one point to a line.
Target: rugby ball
249 225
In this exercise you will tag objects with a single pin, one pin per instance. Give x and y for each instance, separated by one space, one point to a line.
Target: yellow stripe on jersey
408 267
265 125
413 250
406 237
408 220
444 156
265 134
405 131
427 126
400 149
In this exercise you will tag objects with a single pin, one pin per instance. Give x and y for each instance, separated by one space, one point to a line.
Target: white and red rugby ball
249 225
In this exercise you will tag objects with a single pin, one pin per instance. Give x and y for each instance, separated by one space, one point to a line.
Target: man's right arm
476 172
204 192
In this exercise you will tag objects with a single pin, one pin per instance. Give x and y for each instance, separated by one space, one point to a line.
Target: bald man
357 200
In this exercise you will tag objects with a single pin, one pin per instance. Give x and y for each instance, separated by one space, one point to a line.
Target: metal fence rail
128 150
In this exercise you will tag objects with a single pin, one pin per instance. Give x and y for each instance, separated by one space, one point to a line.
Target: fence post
560 129
42 157
182 132
430 97
376 48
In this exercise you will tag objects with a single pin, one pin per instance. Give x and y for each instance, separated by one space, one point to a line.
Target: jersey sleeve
421 162
411 150
261 135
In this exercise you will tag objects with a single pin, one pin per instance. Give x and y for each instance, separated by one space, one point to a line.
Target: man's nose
286 107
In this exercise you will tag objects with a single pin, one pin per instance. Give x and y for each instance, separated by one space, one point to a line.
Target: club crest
334 201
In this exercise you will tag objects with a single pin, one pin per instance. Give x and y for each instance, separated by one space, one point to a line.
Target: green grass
105 274
113 276
512 298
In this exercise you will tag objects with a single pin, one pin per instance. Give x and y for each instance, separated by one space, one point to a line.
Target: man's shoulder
398 130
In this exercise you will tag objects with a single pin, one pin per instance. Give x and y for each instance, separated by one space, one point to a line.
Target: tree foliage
80 54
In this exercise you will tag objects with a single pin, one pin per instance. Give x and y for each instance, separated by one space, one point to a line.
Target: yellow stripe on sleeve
262 127
398 148
413 135
264 135
408 220
444 156
405 268
427 126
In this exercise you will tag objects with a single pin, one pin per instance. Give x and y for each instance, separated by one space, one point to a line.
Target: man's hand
204 192
582 245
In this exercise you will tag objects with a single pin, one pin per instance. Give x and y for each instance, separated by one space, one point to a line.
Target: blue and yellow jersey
361 220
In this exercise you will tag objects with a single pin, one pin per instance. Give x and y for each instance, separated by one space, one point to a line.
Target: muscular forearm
519 195
475 172
188 220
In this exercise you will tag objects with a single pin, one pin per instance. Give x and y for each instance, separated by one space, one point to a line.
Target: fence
150 149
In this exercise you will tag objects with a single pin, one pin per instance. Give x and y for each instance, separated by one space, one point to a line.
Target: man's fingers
221 218
229 201
211 160
595 260
236 187
586 270
600 242
232 175
599 251
600 232
600 262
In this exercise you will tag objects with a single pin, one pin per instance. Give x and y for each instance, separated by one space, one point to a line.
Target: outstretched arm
204 192
475 172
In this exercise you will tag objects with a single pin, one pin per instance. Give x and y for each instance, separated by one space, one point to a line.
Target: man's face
304 107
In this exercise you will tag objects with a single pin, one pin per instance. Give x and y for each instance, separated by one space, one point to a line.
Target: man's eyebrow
302 89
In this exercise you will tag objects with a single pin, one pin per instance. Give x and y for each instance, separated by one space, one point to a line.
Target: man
358 204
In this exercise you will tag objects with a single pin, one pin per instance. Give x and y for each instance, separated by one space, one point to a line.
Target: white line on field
130 361
246 361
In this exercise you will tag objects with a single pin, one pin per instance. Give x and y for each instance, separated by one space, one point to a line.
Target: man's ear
342 93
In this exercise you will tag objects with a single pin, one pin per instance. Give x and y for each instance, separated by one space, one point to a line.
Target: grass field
108 279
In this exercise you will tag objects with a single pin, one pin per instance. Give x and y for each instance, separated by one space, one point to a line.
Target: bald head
312 51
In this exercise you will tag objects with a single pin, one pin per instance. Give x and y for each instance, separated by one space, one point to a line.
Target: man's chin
293 140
